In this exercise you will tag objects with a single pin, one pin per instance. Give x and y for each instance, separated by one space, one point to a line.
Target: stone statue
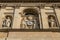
30 22
8 22
24 26
52 22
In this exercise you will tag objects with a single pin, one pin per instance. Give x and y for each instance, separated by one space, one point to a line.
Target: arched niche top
9 16
51 16
30 11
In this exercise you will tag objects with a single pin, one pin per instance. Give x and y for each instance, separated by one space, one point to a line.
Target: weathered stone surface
3 34
17 13
34 35
2 38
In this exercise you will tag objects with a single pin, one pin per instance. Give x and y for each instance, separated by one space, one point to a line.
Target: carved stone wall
40 13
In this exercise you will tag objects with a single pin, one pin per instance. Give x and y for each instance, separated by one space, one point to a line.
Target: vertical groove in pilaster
41 19
41 7
13 16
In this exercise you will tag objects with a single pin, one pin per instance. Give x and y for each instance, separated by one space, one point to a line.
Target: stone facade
31 16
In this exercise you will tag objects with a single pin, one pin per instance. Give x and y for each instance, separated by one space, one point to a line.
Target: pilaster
57 11
44 19
16 20
1 16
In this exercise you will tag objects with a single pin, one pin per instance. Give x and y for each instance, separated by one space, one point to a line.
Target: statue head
8 17
30 17
51 17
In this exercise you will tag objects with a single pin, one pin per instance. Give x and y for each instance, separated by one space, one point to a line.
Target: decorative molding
28 4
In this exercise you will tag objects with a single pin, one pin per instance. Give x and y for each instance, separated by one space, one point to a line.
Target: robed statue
7 22
52 22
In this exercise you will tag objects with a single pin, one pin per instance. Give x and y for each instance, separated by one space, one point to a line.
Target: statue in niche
8 22
30 22
52 22
24 26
